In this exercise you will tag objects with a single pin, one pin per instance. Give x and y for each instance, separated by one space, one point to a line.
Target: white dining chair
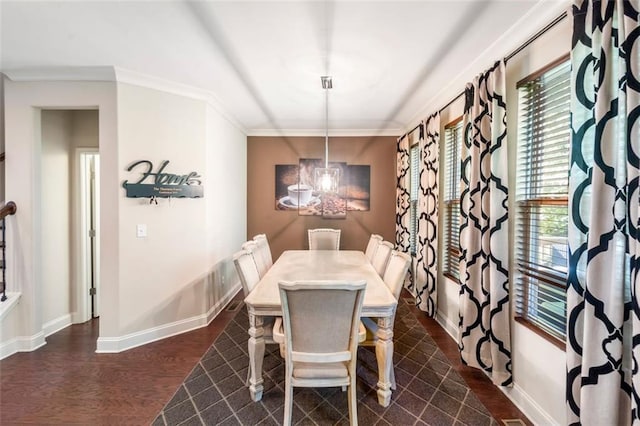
381 256
372 246
394 277
324 239
261 263
264 249
249 277
321 321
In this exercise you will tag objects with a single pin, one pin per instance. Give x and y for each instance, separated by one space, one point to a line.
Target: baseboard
56 325
133 340
448 326
528 406
22 344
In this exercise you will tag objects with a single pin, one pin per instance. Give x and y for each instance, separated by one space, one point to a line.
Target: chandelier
327 178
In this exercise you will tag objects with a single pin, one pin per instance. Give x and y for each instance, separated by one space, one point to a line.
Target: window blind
451 232
541 254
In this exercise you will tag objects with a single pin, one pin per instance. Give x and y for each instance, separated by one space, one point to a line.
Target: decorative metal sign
160 184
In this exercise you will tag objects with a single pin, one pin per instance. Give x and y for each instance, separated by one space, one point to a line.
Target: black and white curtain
603 304
403 196
484 327
426 265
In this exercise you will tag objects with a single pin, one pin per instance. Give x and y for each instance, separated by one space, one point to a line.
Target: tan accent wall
288 230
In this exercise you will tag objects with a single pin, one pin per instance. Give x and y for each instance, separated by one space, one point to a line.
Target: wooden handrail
8 209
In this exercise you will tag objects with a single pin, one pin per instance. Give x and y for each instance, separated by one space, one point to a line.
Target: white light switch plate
141 230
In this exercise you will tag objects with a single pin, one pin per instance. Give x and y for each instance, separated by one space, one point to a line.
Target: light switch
141 230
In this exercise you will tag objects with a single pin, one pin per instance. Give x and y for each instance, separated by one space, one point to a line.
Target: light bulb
326 182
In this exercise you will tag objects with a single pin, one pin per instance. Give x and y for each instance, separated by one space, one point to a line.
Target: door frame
83 270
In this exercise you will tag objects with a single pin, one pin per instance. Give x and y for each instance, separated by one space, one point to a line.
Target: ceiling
392 62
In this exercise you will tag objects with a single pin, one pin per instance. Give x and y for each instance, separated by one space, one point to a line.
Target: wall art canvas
358 188
295 190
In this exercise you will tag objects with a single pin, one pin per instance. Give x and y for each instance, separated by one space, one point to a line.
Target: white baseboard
448 326
56 325
133 340
528 406
22 344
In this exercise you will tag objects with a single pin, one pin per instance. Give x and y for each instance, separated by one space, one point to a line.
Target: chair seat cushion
330 370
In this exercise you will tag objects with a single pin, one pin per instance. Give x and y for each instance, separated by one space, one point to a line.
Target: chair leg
288 403
353 401
393 378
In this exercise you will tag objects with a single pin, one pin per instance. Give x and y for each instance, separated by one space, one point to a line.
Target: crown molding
98 73
121 75
152 82
322 132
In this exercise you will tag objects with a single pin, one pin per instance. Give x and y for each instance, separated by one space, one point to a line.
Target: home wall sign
161 184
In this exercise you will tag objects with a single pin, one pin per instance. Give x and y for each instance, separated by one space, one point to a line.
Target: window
453 144
541 256
415 180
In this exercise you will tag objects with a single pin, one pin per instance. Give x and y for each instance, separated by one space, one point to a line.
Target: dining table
302 265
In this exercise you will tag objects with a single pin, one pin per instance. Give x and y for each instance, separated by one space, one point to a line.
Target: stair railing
8 209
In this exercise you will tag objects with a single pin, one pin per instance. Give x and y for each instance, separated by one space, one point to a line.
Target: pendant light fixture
327 178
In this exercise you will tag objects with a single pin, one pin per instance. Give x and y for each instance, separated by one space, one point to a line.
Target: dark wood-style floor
66 382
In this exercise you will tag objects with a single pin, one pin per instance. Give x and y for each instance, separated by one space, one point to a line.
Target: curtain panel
426 270
403 196
603 314
484 323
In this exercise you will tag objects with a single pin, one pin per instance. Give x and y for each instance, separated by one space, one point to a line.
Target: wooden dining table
301 265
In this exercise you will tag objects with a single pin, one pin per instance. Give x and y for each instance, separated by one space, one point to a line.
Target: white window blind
541 199
453 144
415 181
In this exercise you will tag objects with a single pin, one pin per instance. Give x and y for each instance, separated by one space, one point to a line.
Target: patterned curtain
603 313
427 243
403 196
485 340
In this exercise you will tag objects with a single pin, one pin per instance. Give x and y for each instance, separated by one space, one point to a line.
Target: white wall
56 226
539 367
181 275
178 277
159 274
24 102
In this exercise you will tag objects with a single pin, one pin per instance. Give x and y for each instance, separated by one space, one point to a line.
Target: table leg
256 355
384 355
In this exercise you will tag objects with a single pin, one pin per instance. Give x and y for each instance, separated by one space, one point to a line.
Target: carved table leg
384 355
256 355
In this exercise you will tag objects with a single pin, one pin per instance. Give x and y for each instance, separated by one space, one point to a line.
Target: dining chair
260 261
324 239
372 246
264 249
320 322
249 277
381 256
394 276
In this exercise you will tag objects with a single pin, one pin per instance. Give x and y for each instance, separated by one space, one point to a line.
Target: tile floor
429 391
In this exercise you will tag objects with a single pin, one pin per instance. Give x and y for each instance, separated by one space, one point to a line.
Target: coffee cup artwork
300 194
